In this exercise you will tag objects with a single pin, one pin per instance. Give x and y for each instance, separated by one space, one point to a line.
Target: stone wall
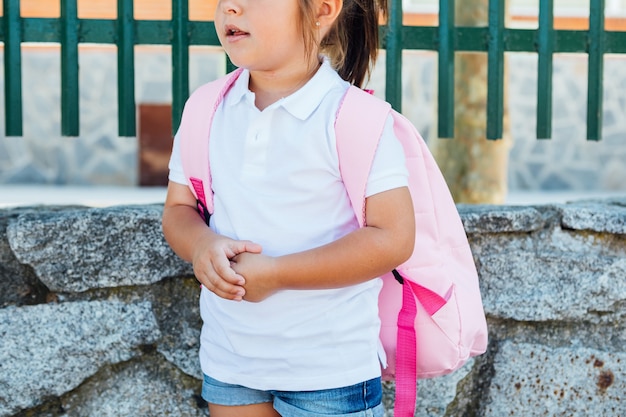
99 317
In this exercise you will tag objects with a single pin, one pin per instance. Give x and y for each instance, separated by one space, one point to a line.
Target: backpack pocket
439 345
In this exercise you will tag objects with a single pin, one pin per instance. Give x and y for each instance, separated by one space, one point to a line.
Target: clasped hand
234 269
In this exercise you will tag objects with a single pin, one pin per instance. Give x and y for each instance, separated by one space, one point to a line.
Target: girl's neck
270 86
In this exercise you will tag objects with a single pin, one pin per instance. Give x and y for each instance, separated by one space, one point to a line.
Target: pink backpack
432 323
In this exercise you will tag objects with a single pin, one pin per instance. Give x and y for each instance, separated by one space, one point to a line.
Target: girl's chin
238 62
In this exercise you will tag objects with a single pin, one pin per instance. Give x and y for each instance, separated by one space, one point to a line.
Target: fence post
595 70
462 160
393 48
180 59
127 120
12 67
495 73
544 69
445 124
70 115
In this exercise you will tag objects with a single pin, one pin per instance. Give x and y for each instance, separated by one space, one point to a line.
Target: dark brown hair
352 42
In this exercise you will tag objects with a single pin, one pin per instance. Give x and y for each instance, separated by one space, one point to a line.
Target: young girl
289 280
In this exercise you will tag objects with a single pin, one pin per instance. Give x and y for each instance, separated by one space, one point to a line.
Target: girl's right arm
195 242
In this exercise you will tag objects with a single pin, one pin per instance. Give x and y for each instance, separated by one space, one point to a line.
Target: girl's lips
234 31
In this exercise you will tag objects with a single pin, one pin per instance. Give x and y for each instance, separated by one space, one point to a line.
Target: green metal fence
181 33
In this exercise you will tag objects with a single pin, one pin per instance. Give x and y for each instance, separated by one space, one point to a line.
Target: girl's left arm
385 242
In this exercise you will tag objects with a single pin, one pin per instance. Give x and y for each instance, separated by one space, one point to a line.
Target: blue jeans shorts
360 400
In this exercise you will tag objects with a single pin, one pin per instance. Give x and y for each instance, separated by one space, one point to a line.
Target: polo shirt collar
300 104
239 90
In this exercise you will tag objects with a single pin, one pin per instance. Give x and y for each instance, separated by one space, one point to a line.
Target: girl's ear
328 11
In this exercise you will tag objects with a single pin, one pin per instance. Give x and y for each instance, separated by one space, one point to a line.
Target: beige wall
569 14
106 9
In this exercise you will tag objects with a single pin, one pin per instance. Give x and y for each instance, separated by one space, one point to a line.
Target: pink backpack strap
194 132
358 128
359 125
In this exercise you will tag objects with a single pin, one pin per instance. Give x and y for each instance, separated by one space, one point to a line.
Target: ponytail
352 43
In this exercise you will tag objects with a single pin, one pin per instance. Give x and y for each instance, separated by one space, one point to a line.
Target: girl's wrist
202 244
279 279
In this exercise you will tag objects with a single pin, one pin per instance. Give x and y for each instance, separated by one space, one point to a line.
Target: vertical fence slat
12 68
70 117
180 59
393 48
544 69
127 120
595 70
495 70
445 125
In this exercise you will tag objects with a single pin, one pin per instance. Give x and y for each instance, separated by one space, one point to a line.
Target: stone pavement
93 196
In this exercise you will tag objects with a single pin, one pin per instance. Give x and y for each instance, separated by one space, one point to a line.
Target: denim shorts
360 400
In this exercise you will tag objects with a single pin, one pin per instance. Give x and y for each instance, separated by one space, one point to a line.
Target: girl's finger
228 291
226 272
222 288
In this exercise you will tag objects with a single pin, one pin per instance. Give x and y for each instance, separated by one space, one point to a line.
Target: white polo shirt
276 182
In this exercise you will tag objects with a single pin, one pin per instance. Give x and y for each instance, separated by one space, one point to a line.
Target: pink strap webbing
198 186
406 345
430 300
406 355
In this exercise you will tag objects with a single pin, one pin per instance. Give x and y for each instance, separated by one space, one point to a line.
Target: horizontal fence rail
495 40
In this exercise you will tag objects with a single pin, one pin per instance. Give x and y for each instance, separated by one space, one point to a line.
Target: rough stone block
596 217
566 381
150 387
80 249
18 283
433 395
538 287
177 310
48 350
500 219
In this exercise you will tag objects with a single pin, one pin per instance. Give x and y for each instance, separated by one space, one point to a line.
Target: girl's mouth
232 31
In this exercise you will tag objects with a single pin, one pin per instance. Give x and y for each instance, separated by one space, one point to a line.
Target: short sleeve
175 165
389 169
